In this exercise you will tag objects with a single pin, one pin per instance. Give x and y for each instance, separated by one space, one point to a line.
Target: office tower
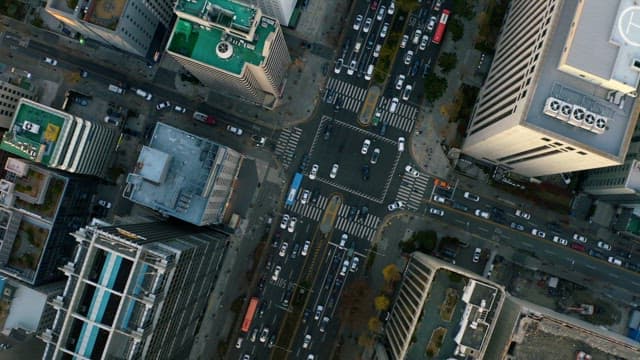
282 10
59 140
561 92
232 48
134 26
135 291
14 85
38 210
185 176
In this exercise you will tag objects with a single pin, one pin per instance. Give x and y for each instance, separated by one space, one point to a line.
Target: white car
476 255
472 197
292 224
354 264
104 203
408 57
523 214
343 240
404 41
438 198
401 143
416 37
424 42
406 94
357 23
352 67
305 197
367 25
395 205
558 240
434 211
234 130
276 273
411 170
538 233
264 334
578 237
394 105
338 66
375 156
400 81
305 248
365 147
179 109
50 61
307 341
163 105
381 11
283 249
482 214
432 23
376 51
345 268
384 30
603 245
334 171
614 261
314 172
391 9
285 221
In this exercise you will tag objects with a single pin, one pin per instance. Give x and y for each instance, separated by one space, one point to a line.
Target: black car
383 128
633 267
305 315
261 284
597 254
327 131
365 172
286 297
304 163
460 207
315 194
622 253
364 211
352 213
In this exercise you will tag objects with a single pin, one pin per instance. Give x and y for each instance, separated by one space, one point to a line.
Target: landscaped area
449 304
435 342
27 247
31 184
51 199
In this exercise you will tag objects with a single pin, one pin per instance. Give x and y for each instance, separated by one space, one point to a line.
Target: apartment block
14 85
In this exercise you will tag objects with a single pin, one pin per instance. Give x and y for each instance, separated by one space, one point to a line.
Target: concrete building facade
550 104
134 291
232 48
282 10
13 87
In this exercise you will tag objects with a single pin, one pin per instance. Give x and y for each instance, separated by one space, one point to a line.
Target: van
116 89
367 75
147 96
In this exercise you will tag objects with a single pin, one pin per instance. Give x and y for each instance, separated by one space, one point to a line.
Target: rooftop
34 132
552 82
224 39
105 13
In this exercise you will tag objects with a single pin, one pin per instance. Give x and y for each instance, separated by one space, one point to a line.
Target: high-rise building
135 291
38 210
59 140
14 85
282 10
232 48
561 92
135 26
185 176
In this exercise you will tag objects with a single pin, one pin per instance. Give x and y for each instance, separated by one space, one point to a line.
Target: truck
207 119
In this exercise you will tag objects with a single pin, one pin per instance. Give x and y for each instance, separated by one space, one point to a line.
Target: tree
425 241
447 61
375 325
456 28
353 310
434 87
407 5
391 273
381 303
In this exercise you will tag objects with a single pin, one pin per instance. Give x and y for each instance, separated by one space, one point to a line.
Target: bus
442 24
251 311
293 190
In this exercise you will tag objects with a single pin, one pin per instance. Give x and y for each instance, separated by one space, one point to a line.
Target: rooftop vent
224 50
589 120
635 64
600 125
577 115
31 127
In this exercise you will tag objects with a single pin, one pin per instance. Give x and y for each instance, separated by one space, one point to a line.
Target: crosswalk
351 95
403 118
286 145
362 228
309 210
412 189
281 283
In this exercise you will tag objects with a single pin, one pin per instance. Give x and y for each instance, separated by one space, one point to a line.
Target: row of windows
6 113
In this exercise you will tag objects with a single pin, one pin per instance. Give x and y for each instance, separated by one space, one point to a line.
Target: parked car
285 221
358 22
437 212
579 247
395 205
51 61
283 249
375 156
234 130
334 171
481 213
424 42
472 197
305 248
264 335
604 246
304 198
538 233
354 264
104 203
365 147
307 341
517 226
523 214
367 25
578 237
558 240
163 105
438 198
384 30
406 94
276 273
412 171
292 224
314 172
179 109
400 81
408 57
476 255
401 141
338 67
614 261
404 41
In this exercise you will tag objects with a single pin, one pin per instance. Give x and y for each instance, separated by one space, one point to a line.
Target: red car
579 247
374 5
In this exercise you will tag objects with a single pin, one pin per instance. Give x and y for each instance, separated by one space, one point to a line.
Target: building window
545 139
582 153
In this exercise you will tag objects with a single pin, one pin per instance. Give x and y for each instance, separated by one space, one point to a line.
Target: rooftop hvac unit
31 127
552 106
577 115
589 120
565 111
600 125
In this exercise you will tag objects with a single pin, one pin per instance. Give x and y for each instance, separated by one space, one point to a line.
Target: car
407 92
345 268
144 94
310 357
538 233
579 247
294 252
374 5
352 67
436 6
432 23
604 246
523 214
398 204
343 240
246 357
338 67
305 248
358 22
376 51
416 37
163 105
319 310
578 237
383 32
314 172
404 41
254 335
50 61
472 197
367 25
558 240
411 170
383 128
365 147
408 57
307 341
391 9
381 12
334 171
239 342
272 341
400 81
375 156
285 221
401 143
276 272
353 211
104 203
234 130
614 261
306 194
180 109
283 249
365 172
438 212
424 42
292 224
264 335
566 178
393 107
355 263
481 213
438 198
517 226
324 323
476 255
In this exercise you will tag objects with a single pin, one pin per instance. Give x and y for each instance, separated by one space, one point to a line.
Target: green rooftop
34 133
224 12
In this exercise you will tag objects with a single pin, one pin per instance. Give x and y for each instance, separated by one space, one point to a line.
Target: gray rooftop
596 30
